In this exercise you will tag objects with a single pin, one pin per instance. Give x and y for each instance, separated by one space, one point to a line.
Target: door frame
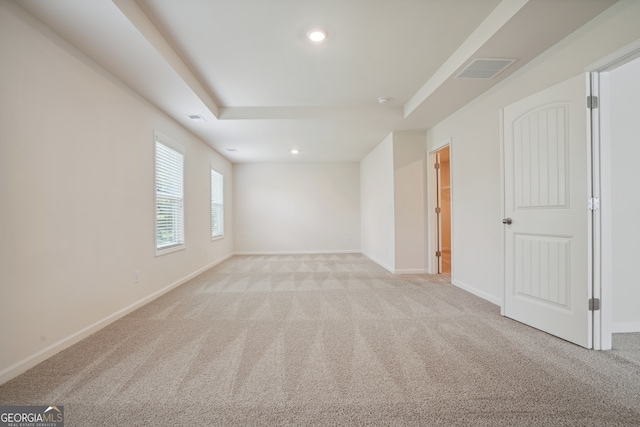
503 253
432 222
602 222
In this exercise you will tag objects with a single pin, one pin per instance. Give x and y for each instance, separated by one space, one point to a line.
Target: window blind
217 204
169 197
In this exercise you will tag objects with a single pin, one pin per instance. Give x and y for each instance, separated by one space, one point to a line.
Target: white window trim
213 170
168 142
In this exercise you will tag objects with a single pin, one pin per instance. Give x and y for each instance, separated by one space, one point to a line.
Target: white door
547 282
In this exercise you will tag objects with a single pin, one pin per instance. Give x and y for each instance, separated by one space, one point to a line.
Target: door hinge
438 254
436 165
592 102
594 203
438 210
594 304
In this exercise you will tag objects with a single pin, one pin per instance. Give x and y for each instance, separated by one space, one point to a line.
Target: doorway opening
617 85
442 167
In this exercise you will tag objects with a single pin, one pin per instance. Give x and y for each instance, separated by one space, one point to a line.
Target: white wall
409 183
393 203
377 205
77 191
475 134
624 86
297 207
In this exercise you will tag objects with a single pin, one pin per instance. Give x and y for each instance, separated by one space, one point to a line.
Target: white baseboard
410 271
393 270
323 252
476 292
625 327
42 355
380 263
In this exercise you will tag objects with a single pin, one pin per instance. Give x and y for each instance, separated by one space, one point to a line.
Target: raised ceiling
263 88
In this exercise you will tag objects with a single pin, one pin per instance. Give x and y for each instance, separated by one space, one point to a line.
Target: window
169 196
217 205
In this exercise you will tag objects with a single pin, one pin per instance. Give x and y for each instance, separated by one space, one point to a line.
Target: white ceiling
247 68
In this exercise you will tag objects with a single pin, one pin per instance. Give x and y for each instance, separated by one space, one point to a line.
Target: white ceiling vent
482 68
197 118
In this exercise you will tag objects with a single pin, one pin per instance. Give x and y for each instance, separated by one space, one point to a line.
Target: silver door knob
507 221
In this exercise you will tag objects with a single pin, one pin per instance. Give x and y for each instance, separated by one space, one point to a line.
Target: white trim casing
503 214
596 235
604 222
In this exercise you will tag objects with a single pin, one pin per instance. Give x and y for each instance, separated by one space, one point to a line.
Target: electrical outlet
136 276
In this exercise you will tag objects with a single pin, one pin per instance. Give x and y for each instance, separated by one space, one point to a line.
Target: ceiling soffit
335 107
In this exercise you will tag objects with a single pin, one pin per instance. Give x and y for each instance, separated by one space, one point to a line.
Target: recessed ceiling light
294 151
317 35
384 99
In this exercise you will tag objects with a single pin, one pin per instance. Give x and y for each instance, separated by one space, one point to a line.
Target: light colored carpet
327 340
